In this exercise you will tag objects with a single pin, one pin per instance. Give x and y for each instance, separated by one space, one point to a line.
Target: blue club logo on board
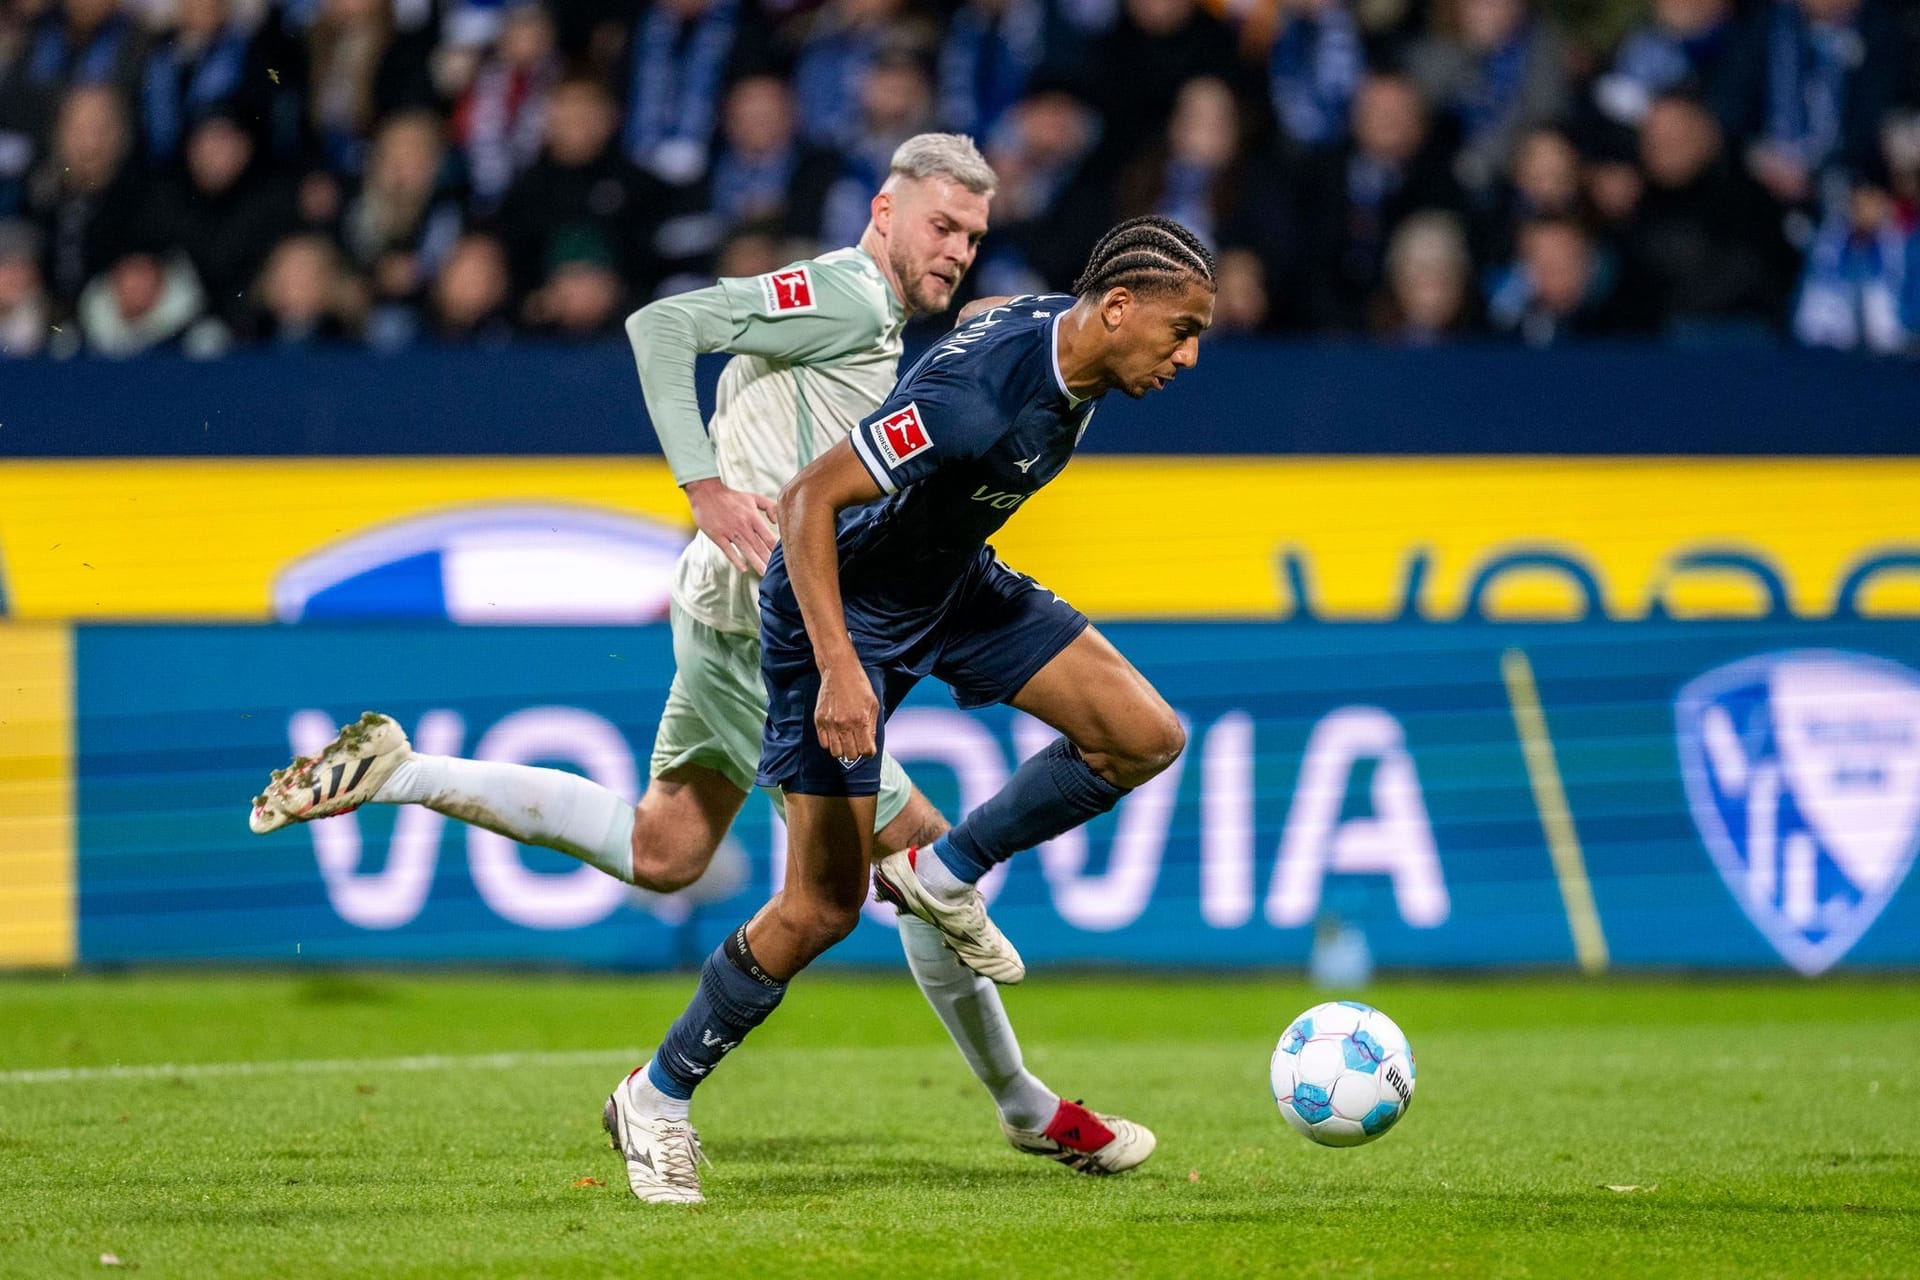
504 563
1802 769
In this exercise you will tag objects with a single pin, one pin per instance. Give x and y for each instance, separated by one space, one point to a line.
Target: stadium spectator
844 45
896 102
500 118
1613 184
26 312
1703 243
1493 70
1206 175
198 67
1353 197
1681 50
755 250
582 177
763 173
148 300
1807 87
76 43
20 108
304 297
991 49
582 297
684 53
1132 74
1900 146
1428 298
401 223
226 212
1547 176
1562 286
362 68
1547 181
472 295
1314 63
1241 304
1860 290
1051 206
87 197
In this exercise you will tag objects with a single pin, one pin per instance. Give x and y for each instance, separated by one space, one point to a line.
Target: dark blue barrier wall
1246 397
1735 794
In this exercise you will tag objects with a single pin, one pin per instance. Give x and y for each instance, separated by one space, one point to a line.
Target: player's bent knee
1150 750
665 867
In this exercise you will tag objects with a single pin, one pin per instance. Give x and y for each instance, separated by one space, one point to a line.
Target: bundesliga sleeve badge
788 292
902 435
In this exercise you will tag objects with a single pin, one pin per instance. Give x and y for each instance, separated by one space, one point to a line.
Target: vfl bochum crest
1803 772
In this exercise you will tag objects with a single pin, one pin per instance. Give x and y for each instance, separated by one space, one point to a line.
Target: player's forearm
666 337
807 520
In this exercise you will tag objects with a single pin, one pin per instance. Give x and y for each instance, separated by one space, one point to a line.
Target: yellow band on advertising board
1161 537
37 923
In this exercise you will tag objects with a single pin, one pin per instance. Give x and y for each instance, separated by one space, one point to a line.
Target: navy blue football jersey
979 424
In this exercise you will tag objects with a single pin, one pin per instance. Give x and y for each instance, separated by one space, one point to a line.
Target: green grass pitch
1767 1128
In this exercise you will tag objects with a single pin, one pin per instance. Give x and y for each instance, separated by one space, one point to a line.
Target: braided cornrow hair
1149 254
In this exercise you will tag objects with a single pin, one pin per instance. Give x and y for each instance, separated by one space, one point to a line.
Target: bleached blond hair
944 155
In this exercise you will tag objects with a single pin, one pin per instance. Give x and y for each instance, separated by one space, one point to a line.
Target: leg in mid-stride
1117 733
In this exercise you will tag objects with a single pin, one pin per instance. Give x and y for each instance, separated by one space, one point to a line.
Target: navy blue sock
1050 793
735 996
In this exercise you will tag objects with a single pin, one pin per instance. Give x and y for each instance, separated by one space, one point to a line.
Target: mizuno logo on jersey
1028 464
901 435
789 291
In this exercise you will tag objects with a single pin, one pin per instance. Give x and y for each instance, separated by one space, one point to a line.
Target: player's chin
936 294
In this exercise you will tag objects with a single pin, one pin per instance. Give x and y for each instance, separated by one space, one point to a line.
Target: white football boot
1085 1141
344 776
964 925
663 1156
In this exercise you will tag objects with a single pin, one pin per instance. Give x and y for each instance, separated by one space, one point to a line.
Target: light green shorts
717 708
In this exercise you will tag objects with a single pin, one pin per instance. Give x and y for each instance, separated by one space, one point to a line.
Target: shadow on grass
341 989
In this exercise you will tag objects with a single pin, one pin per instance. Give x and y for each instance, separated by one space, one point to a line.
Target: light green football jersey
816 348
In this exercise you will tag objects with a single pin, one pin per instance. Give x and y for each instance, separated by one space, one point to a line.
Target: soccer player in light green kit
815 348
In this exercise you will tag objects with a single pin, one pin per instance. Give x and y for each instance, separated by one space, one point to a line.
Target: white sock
938 877
970 1007
649 1101
548 807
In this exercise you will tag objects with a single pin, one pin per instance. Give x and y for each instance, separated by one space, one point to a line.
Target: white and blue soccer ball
1343 1074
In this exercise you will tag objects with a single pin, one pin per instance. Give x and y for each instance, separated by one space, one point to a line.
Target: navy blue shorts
994 633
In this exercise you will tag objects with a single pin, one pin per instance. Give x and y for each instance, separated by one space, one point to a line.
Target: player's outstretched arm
846 714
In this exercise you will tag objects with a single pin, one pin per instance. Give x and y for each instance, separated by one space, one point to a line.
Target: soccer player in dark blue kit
883 577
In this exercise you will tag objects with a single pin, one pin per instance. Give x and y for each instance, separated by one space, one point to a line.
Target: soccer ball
1343 1074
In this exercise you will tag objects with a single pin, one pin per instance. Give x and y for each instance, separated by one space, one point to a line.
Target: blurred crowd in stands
199 174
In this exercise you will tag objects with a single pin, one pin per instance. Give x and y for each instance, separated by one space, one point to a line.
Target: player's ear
1115 306
881 210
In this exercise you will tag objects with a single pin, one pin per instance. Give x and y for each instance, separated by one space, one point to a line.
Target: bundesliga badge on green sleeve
788 291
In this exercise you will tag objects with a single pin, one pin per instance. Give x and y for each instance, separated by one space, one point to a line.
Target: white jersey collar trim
1053 357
